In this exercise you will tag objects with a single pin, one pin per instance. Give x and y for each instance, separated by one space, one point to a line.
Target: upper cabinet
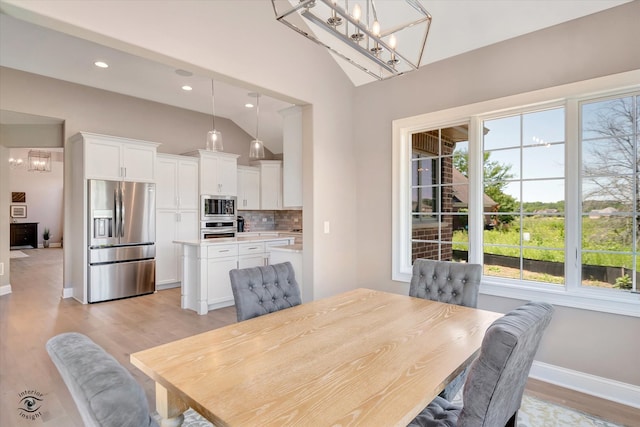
117 159
218 172
248 188
292 157
270 183
177 182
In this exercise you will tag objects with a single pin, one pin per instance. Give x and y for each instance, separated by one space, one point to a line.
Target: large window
523 163
439 205
546 196
610 205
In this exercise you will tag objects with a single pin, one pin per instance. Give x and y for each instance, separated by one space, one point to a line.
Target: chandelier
384 39
39 161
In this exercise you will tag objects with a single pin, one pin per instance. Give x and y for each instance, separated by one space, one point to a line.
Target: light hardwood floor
35 312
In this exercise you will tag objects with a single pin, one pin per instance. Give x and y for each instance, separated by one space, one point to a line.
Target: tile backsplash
271 220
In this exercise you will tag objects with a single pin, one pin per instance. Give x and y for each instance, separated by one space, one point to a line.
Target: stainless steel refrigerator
122 231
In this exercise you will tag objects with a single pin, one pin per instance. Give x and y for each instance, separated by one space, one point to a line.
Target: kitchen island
206 264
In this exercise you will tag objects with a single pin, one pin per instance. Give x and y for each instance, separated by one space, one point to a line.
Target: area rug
17 254
533 413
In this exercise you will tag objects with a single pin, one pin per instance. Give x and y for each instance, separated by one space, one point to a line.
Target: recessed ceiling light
187 88
248 105
101 64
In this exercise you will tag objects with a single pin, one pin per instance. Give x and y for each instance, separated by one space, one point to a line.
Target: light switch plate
326 227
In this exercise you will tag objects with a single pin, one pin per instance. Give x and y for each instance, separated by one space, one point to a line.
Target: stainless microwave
219 208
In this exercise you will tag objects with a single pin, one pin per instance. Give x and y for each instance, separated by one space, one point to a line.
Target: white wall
596 343
44 198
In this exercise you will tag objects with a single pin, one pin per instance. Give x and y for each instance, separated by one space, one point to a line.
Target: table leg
170 407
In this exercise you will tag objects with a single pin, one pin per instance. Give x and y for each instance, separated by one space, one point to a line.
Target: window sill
595 300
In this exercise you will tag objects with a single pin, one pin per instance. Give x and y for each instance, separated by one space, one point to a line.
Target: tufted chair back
262 290
445 281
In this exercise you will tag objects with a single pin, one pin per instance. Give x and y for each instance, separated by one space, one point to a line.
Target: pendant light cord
213 102
257 115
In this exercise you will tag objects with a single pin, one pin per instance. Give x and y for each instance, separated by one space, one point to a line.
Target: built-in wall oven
217 216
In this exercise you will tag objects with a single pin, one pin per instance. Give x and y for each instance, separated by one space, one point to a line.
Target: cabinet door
208 175
271 187
188 225
166 184
251 195
188 184
138 162
228 176
102 160
166 251
249 261
218 282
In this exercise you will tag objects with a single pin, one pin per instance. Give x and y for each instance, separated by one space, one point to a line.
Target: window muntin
610 192
524 169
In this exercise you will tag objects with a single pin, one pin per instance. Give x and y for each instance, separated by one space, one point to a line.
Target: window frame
572 294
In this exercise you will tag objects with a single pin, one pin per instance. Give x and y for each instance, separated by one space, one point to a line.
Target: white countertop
227 240
288 248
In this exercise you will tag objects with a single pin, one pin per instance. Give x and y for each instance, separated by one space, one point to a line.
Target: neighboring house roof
461 192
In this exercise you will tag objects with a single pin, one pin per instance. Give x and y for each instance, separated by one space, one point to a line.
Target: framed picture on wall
18 197
18 211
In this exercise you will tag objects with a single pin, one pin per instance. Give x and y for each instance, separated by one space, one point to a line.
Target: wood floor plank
34 312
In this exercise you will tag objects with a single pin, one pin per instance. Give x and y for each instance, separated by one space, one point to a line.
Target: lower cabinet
218 282
205 278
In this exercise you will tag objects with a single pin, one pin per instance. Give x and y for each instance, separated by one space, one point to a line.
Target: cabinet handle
255 247
223 250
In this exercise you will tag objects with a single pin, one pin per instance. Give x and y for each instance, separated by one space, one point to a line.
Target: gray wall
601 344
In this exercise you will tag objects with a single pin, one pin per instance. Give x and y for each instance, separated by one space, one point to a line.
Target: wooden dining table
363 357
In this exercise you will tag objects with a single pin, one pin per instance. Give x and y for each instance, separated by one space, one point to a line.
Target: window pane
607 118
543 231
543 266
543 162
498 265
608 157
604 196
504 230
502 165
546 194
543 127
501 133
606 270
608 233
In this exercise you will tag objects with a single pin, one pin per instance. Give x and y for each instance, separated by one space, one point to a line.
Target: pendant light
214 137
256 150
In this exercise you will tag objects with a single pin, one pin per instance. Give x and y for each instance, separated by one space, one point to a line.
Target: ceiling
27 47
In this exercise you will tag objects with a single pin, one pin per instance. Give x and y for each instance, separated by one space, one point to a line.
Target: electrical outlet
264 219
1 268
295 220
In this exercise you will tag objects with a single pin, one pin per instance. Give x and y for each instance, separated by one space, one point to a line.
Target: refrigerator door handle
122 212
116 213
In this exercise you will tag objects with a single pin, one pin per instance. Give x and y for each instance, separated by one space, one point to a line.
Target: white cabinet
218 172
218 282
177 214
248 188
115 159
292 157
270 184
273 243
177 182
251 254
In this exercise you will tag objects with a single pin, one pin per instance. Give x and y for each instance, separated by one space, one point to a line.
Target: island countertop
227 240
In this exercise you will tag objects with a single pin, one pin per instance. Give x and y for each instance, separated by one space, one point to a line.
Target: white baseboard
616 391
51 245
67 292
5 290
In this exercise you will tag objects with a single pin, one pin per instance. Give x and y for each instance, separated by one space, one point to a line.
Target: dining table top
363 357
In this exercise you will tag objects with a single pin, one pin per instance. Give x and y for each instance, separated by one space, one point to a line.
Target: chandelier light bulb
357 12
392 41
375 28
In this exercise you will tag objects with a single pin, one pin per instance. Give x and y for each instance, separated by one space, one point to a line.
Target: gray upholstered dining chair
263 290
104 391
450 282
493 391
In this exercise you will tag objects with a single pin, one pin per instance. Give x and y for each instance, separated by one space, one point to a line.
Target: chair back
446 281
493 391
104 391
263 290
